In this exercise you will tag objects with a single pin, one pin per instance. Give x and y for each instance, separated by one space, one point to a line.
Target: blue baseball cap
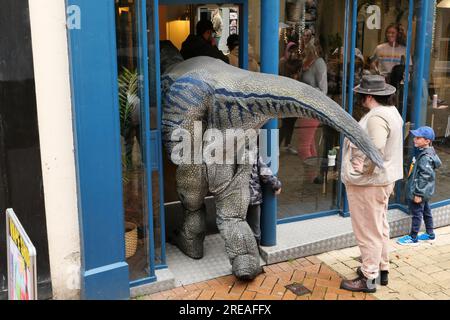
424 132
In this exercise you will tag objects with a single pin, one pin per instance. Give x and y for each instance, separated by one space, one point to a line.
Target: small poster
21 256
234 17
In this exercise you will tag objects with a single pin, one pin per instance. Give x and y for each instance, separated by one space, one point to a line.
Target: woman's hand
358 164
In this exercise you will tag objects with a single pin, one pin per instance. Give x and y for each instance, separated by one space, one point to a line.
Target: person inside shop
313 73
389 54
217 25
202 43
307 36
233 47
289 66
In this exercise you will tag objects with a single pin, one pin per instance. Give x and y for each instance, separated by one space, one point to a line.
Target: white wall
51 67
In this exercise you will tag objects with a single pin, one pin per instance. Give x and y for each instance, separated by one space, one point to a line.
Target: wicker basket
131 239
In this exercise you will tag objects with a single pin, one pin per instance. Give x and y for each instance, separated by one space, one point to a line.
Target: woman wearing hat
369 187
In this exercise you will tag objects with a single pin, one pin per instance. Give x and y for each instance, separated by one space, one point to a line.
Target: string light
301 30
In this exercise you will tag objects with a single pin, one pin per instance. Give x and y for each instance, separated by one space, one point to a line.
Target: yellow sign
18 240
21 261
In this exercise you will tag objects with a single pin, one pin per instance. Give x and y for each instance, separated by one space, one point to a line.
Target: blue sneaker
427 237
408 241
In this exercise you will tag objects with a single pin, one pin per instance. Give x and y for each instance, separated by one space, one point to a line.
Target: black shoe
360 284
384 276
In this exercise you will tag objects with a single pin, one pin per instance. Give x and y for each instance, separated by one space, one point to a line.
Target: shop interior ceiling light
444 4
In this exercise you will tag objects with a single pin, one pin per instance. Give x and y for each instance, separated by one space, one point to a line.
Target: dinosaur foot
246 267
193 248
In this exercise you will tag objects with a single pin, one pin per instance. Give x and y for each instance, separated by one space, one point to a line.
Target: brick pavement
270 285
417 273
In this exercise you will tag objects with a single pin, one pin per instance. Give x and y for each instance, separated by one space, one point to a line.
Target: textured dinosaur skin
224 97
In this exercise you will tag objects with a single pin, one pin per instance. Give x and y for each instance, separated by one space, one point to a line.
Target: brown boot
360 284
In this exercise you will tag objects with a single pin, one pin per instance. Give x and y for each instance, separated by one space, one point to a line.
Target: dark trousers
421 211
254 220
286 131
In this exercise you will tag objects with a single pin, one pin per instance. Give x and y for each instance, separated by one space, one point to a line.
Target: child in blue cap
421 185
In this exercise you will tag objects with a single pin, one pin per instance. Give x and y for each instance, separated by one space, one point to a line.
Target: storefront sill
311 237
165 280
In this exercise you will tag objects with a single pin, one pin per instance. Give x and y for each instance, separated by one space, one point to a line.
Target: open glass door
137 53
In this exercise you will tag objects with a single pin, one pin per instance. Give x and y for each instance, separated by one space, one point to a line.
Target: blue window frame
93 62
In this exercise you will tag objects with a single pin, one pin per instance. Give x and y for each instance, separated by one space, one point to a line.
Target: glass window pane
131 125
381 48
311 51
438 110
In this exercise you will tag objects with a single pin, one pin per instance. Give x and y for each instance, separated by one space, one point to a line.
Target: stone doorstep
399 227
165 280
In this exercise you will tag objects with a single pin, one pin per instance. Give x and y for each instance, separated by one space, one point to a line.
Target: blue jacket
421 180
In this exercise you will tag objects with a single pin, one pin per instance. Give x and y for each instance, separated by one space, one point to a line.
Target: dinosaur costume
224 97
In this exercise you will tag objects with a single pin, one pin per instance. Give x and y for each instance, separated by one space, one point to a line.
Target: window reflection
133 166
311 51
438 110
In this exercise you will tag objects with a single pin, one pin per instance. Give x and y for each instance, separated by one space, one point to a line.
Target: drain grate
298 289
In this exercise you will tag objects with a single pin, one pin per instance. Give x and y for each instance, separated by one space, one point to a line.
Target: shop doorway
151 206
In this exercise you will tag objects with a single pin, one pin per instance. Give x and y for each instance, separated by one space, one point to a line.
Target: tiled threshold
294 240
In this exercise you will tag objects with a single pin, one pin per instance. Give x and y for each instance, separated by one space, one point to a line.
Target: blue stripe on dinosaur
288 106
186 99
260 107
241 109
250 109
229 106
265 97
196 97
190 80
173 104
173 121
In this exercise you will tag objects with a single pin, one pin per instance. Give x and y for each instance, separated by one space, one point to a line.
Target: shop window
438 102
311 51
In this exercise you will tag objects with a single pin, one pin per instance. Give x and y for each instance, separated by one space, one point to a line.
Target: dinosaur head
169 55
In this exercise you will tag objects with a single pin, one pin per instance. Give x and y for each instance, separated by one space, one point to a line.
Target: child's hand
417 199
278 192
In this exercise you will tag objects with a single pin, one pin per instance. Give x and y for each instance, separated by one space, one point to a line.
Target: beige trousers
368 212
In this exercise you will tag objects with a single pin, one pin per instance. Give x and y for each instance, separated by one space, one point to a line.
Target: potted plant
129 117
129 111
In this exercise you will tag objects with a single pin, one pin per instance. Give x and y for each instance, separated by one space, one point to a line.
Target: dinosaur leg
192 189
230 186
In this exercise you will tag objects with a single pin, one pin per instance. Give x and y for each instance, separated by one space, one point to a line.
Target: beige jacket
357 169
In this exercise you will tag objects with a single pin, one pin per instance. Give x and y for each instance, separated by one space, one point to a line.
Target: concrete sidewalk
421 272
417 273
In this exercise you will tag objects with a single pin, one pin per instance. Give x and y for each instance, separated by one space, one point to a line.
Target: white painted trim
54 108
